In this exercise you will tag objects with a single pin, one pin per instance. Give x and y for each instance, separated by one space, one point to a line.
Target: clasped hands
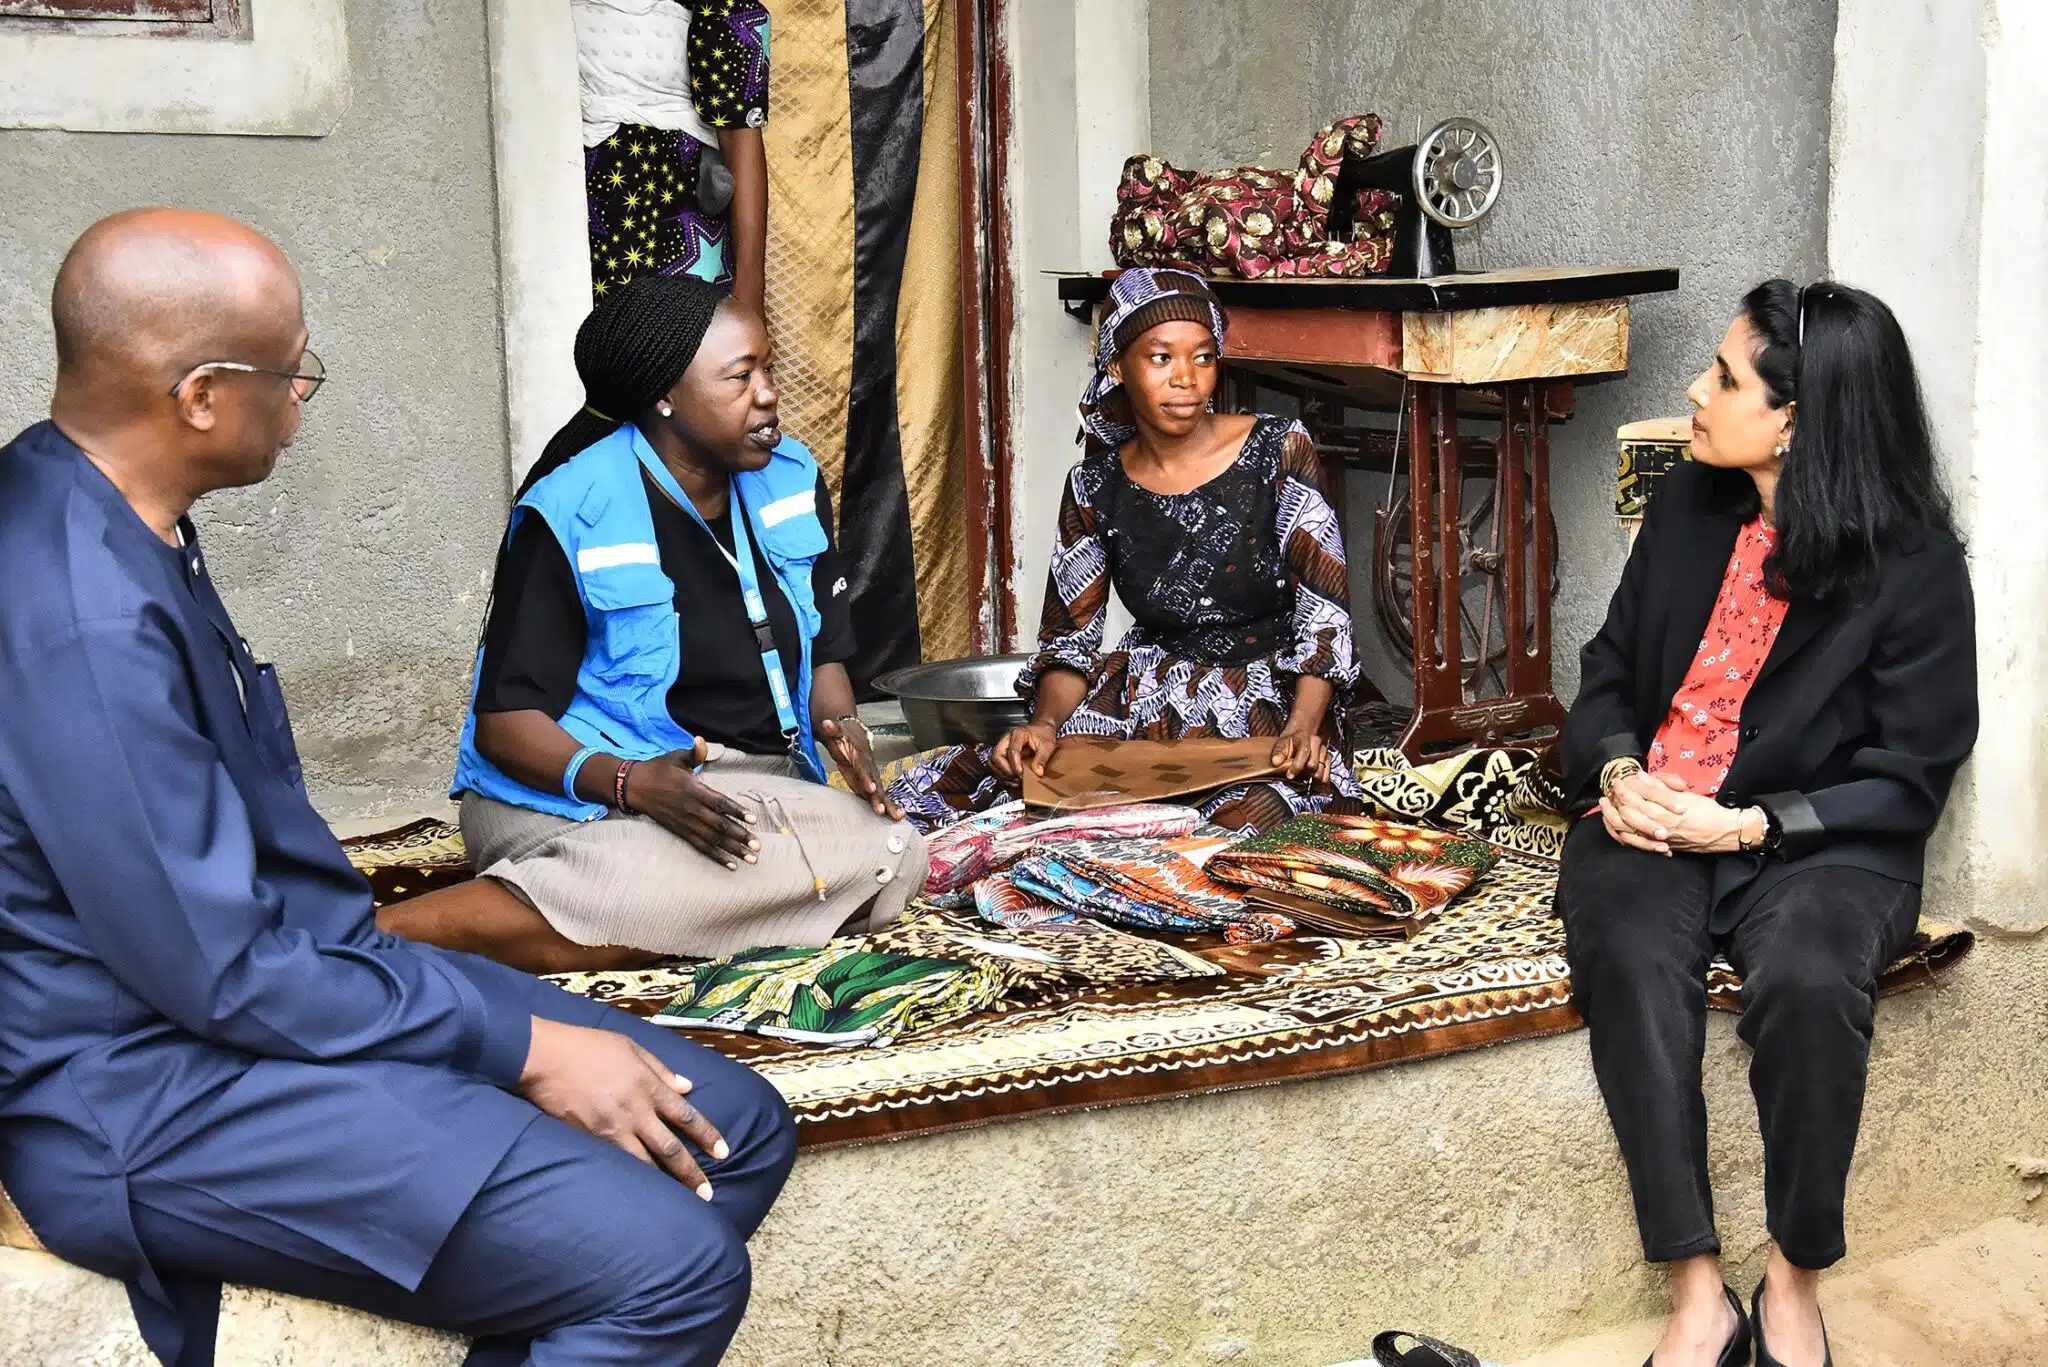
1659 814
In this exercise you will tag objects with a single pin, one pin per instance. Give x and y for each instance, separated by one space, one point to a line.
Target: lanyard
741 558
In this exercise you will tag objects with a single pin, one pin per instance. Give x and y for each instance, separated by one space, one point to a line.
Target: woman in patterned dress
1214 531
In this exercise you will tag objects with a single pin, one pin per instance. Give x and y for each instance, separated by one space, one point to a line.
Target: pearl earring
668 412
1780 452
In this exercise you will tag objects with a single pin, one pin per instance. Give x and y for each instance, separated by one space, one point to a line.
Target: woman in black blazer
1765 733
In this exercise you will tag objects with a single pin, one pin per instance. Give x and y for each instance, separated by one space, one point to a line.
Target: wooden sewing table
1505 345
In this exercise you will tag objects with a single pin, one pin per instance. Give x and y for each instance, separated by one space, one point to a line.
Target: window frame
227 19
287 77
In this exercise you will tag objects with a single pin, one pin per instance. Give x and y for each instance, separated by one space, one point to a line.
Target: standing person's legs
1636 938
1810 953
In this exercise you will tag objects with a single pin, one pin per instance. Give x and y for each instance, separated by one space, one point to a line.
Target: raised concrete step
1478 1196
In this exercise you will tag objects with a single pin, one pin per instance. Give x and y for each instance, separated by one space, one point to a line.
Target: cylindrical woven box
1648 449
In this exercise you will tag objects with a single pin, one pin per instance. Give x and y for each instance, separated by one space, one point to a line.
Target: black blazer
1851 733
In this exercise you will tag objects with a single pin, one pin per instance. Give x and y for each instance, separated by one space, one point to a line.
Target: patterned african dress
642 182
1236 590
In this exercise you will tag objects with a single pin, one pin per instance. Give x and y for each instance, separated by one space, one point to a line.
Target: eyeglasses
306 380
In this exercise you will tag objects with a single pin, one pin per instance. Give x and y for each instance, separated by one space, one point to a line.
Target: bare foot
1696 1338
1790 1321
1702 1320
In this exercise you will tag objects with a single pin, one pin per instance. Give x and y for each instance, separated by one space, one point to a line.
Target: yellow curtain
810 287
928 322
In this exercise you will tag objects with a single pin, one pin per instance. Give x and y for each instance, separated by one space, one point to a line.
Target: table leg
1435 488
1445 713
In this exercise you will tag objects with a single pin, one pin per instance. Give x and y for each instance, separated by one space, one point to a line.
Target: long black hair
630 352
1859 477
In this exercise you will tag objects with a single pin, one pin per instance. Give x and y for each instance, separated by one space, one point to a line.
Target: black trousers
1809 951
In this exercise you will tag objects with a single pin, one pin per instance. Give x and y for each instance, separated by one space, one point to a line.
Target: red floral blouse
1698 738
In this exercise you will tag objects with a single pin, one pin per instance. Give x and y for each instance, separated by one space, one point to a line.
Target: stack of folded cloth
1354 875
970 850
914 976
1046 962
1146 882
841 994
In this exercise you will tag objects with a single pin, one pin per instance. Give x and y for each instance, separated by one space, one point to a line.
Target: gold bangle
1615 770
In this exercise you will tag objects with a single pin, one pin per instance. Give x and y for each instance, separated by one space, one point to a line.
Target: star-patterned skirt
644 216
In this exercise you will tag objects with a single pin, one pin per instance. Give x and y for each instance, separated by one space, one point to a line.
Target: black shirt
534 639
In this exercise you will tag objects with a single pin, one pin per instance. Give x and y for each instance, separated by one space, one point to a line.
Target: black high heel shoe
1735 1353
1763 1351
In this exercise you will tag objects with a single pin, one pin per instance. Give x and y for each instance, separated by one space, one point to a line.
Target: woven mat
1490 969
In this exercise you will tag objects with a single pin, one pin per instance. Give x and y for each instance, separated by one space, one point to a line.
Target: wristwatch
1773 836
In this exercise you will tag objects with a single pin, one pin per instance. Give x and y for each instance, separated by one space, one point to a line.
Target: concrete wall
1941 207
1070 136
1682 132
360 567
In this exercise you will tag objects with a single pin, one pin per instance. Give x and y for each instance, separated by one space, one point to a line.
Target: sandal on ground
1763 1350
1398 1348
1734 1353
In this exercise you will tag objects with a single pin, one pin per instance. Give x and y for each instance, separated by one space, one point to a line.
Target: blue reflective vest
596 505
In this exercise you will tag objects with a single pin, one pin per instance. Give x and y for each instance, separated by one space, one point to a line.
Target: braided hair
630 352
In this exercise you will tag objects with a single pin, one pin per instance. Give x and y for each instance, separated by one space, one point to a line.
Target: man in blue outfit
213 1066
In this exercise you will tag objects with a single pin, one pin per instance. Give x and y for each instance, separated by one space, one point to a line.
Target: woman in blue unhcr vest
661 661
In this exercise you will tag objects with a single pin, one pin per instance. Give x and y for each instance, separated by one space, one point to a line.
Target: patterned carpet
1490 969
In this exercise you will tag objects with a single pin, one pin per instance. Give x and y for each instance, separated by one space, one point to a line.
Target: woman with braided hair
662 658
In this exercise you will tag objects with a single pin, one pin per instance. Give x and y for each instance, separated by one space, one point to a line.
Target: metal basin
959 702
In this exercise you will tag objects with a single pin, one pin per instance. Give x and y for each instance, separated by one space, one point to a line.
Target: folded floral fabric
963 851
841 994
1357 864
1000 902
972 849
1149 883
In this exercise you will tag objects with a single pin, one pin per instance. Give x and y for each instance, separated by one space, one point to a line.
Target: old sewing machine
1464 546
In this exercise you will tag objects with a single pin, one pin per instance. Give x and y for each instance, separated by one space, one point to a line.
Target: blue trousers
572 1255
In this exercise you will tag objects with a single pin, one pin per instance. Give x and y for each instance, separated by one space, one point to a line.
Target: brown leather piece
1084 774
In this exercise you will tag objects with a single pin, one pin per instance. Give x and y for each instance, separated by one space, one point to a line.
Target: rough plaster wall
359 567
1683 132
1954 93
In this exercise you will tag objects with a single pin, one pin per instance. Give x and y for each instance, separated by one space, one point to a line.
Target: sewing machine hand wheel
1482 607
1456 174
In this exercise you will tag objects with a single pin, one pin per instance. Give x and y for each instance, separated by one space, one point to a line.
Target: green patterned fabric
836 995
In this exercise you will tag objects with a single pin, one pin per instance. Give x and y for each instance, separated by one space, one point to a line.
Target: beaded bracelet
619 787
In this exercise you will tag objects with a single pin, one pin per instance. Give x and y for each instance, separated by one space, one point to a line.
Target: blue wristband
569 774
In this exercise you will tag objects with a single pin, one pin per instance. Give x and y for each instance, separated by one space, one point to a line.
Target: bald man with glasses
213 1066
